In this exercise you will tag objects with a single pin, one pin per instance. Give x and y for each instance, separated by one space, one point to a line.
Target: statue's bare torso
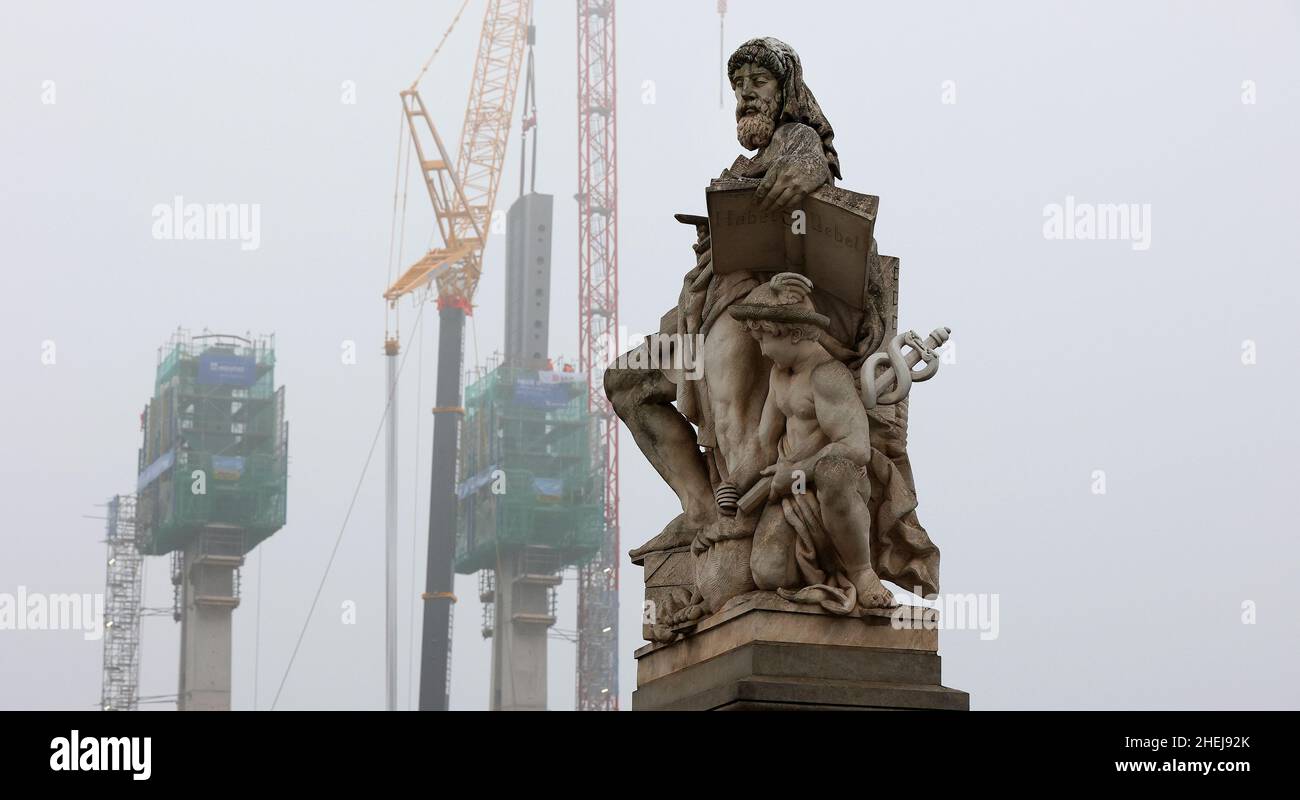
791 393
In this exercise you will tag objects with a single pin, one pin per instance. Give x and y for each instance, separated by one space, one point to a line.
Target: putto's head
781 316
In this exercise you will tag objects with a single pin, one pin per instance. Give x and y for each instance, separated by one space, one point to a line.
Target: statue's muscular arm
770 427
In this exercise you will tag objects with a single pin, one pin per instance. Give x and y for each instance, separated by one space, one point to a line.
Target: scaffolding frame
124 586
597 678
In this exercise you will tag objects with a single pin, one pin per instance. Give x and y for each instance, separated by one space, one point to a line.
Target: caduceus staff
886 379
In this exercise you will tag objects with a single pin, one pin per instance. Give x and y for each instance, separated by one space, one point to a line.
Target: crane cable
415 513
529 122
365 467
396 247
396 234
437 49
417 331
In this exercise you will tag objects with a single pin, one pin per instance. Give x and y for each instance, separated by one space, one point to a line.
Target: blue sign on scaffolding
469 487
532 393
158 467
227 369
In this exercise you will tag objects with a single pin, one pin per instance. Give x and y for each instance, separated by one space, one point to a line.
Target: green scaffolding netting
526 475
215 451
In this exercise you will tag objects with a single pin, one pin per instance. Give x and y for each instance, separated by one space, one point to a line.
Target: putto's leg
842 493
840 490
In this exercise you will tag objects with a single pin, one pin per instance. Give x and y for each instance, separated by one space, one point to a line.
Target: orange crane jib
464 191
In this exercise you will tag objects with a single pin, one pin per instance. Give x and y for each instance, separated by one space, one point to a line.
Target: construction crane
597 684
722 53
463 193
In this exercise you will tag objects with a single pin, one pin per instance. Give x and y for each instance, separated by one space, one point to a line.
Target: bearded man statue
704 446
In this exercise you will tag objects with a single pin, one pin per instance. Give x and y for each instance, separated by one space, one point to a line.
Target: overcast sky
1074 357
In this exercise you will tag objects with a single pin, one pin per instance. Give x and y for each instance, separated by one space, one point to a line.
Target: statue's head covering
798 103
785 298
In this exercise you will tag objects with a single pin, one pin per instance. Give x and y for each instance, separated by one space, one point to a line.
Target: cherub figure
812 543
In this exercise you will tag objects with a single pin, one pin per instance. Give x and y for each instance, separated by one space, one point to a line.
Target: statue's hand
782 474
789 180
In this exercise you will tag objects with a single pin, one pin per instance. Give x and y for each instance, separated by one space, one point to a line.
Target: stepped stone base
764 653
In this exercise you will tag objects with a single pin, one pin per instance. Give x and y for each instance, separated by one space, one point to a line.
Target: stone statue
812 545
789 462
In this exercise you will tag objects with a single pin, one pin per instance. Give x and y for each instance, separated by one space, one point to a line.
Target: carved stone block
763 653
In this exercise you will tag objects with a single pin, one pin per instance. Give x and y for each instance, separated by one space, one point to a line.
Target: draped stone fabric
901 550
799 104
825 581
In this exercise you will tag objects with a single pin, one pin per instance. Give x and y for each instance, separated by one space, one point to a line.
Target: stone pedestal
764 653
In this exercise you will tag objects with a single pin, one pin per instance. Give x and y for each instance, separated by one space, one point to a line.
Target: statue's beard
755 130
